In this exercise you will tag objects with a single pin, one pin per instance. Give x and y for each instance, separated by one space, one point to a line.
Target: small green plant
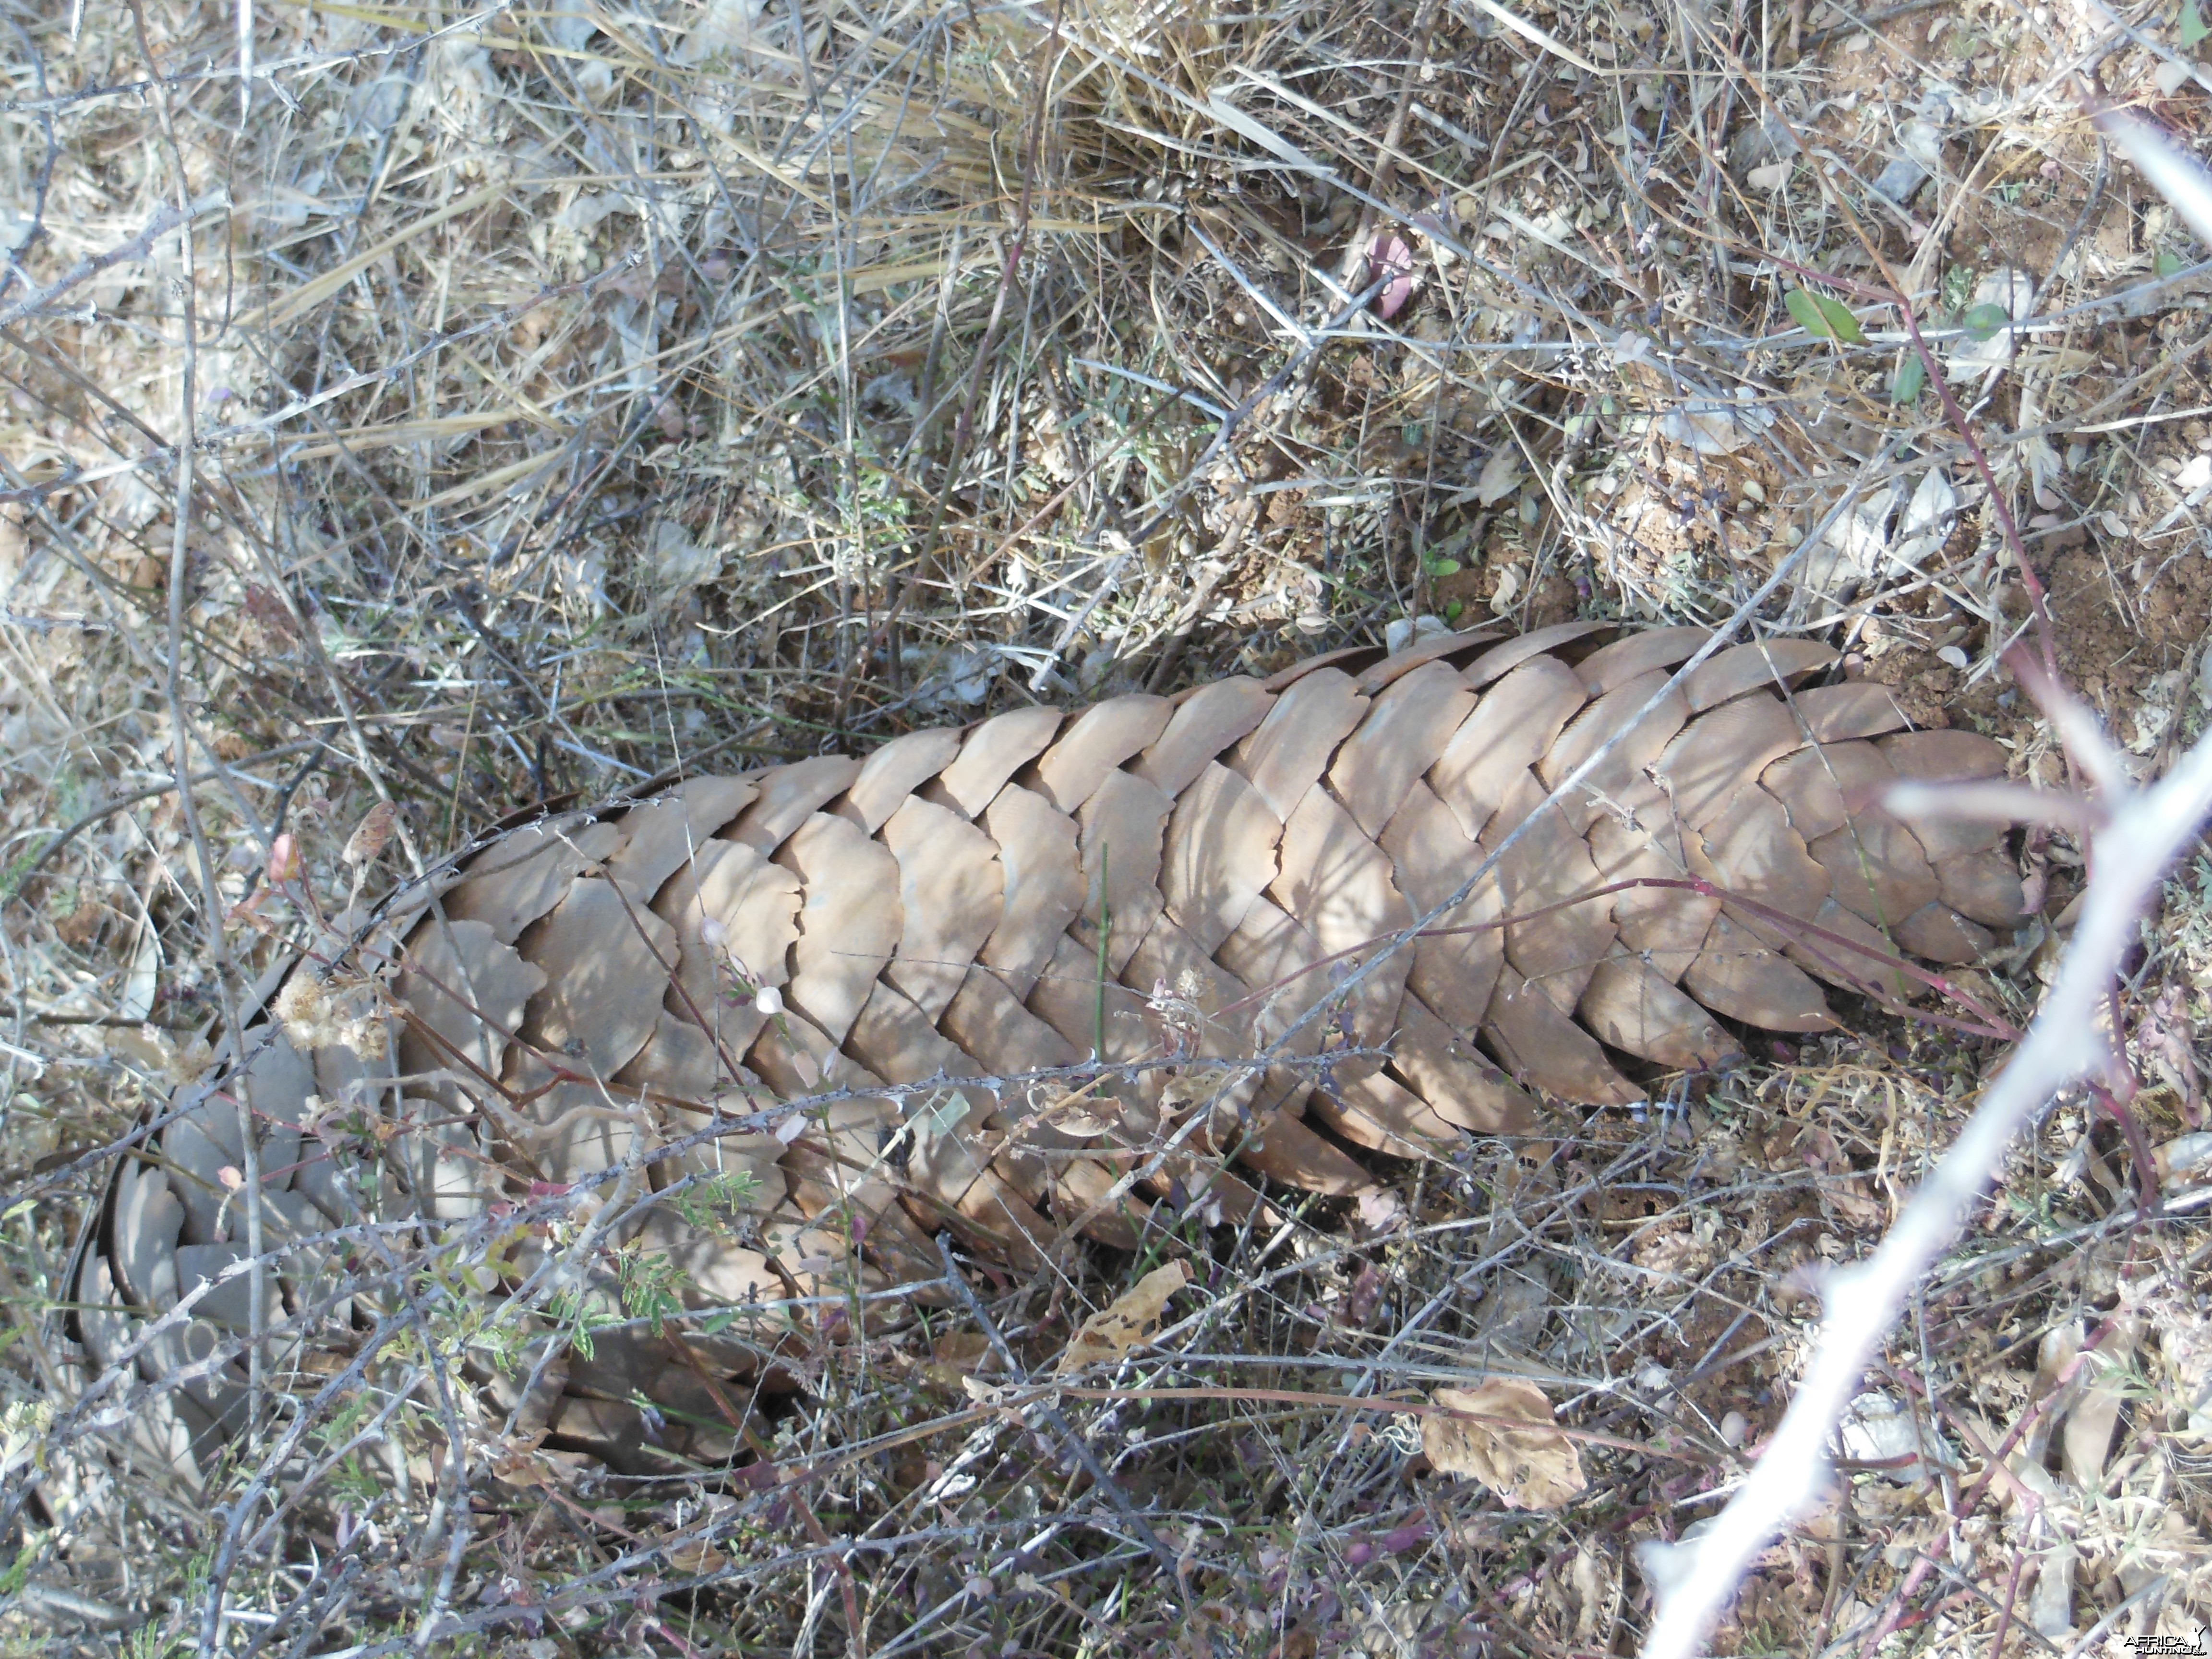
18 868
2190 27
1823 317
578 1318
1983 321
651 1286
712 1203
1911 379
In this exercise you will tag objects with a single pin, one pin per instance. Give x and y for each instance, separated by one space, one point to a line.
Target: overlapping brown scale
1630 1008
1380 676
1760 665
842 1155
992 753
949 1160
1219 856
565 1129
145 1220
1721 752
1819 951
1455 963
1123 827
1072 771
1509 654
1633 739
1337 885
1044 1163
788 796
208 1140
661 835
1875 867
753 906
1512 727
1982 886
1540 1045
1454 1078
1736 976
1751 851
1207 721
952 891
513 882
1174 886
1283 1149
1941 934
849 924
1286 754
1039 852
1538 876
1633 655
891 775
1643 842
1933 757
1092 1012
607 961
1403 735
1822 786
1367 1107
167 1430
464 990
1836 713
680 1059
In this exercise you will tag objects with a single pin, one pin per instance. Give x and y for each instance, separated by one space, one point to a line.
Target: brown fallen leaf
370 835
1131 1323
516 1462
1534 1468
956 1357
696 1555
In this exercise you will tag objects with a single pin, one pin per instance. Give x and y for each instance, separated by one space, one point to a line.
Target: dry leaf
371 835
696 1555
955 1357
285 864
1534 1468
1500 476
1079 1114
1508 589
1391 262
516 1462
1132 1322
2085 1438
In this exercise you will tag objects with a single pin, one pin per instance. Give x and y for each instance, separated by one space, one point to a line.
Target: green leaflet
1822 316
1984 320
1912 377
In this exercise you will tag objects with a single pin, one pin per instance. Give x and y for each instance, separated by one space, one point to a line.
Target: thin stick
2146 834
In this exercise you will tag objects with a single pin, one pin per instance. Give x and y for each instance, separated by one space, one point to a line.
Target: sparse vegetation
576 394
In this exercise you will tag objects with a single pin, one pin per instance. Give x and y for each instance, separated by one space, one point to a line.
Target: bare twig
2143 835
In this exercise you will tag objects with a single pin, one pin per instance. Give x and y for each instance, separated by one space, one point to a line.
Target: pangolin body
1175 884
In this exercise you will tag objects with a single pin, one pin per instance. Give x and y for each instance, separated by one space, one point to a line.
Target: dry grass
574 395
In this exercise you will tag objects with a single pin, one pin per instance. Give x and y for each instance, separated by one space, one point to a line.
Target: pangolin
1116 963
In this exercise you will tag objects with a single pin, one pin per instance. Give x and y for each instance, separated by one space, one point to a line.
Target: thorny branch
2138 835
2143 833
